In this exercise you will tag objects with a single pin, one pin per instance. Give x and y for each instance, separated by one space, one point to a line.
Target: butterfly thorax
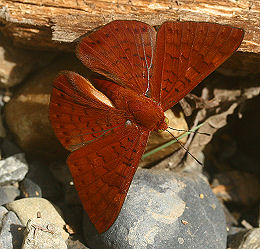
146 112
141 110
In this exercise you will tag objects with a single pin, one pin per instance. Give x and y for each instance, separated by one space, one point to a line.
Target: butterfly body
139 109
146 72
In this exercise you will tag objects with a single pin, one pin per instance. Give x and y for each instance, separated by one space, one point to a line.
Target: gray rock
27 208
245 240
42 234
11 232
75 244
164 210
3 211
8 194
13 168
30 188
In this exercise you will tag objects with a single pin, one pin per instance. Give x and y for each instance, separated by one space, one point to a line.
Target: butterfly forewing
122 51
79 113
187 52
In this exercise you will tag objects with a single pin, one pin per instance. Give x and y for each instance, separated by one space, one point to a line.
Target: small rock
245 240
30 189
75 244
13 168
11 232
41 233
8 194
27 208
3 211
164 210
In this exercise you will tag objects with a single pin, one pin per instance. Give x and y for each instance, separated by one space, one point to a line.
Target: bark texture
49 24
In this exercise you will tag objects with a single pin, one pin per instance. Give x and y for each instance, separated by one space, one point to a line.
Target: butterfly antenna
184 148
202 133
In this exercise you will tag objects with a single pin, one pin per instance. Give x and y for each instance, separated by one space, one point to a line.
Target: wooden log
52 24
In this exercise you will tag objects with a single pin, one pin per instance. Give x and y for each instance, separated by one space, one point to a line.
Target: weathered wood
48 24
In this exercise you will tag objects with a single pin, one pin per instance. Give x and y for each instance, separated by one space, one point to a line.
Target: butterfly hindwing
187 52
103 170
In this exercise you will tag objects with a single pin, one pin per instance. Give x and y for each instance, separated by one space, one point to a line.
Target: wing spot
130 140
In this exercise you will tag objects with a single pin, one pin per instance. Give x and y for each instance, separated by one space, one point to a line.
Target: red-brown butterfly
147 72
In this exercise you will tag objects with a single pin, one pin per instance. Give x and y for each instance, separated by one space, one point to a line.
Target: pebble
164 210
27 208
8 194
11 232
13 168
30 188
41 233
75 244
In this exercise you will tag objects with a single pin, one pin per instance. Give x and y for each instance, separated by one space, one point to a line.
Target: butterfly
144 72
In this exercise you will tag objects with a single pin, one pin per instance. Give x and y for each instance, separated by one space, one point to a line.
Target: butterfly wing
187 52
79 113
122 51
106 146
103 170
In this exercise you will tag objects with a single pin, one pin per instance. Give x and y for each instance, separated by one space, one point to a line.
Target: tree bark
49 24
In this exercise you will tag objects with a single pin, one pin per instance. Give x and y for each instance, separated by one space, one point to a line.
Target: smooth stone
27 208
13 169
30 188
164 210
40 233
8 194
11 232
245 240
